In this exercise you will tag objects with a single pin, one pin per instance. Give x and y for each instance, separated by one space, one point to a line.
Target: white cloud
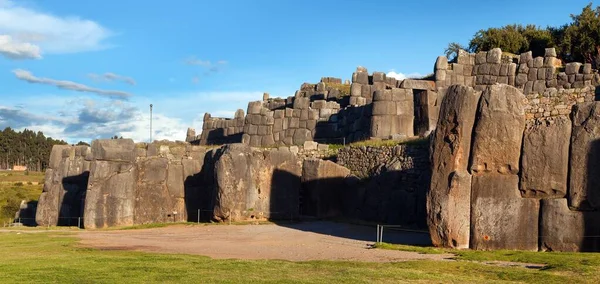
106 77
402 76
192 60
84 118
209 66
53 34
68 85
18 50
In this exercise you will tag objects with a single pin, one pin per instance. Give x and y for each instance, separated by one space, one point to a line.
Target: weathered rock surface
545 158
65 182
500 218
448 200
110 196
584 181
324 182
499 130
256 184
121 150
565 230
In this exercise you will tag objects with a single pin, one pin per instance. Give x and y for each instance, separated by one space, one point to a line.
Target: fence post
377 240
344 139
79 222
198 216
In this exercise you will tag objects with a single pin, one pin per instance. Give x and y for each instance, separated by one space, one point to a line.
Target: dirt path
295 242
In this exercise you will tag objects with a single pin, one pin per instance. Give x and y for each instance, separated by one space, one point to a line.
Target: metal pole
79 222
198 216
150 123
344 138
377 240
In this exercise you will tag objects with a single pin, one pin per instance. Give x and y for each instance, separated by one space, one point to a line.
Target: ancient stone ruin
507 159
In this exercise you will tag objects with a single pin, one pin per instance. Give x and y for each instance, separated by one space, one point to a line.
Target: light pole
150 123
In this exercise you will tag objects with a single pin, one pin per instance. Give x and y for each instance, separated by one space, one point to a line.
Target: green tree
453 49
581 39
508 38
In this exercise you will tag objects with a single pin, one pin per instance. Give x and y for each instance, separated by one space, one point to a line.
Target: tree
581 39
81 143
508 38
453 49
26 148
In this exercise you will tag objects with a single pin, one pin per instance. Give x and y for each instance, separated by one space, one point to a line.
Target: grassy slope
17 186
55 257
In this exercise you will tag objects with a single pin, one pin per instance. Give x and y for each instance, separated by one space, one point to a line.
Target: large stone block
323 184
384 108
499 130
441 63
355 90
418 84
545 158
381 126
122 150
584 176
110 196
448 200
301 103
562 229
360 78
256 184
254 107
494 56
500 218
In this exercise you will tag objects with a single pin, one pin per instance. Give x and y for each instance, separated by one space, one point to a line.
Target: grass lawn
54 256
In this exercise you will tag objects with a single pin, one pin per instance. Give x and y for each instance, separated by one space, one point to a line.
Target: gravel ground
294 242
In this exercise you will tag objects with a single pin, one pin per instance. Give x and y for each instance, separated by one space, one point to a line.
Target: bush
18 184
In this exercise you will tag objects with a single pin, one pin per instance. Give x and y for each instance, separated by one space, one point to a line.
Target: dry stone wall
501 181
372 106
390 183
217 131
551 89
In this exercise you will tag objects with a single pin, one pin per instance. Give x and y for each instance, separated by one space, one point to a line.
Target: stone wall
65 183
550 88
218 131
493 169
118 183
332 112
393 183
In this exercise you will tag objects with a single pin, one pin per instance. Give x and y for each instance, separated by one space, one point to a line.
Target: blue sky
81 70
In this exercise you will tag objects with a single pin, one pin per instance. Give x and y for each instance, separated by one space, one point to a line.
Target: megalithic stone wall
111 191
332 112
256 184
448 200
393 113
65 183
515 167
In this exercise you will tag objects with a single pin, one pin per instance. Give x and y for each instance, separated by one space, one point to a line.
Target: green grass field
54 256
